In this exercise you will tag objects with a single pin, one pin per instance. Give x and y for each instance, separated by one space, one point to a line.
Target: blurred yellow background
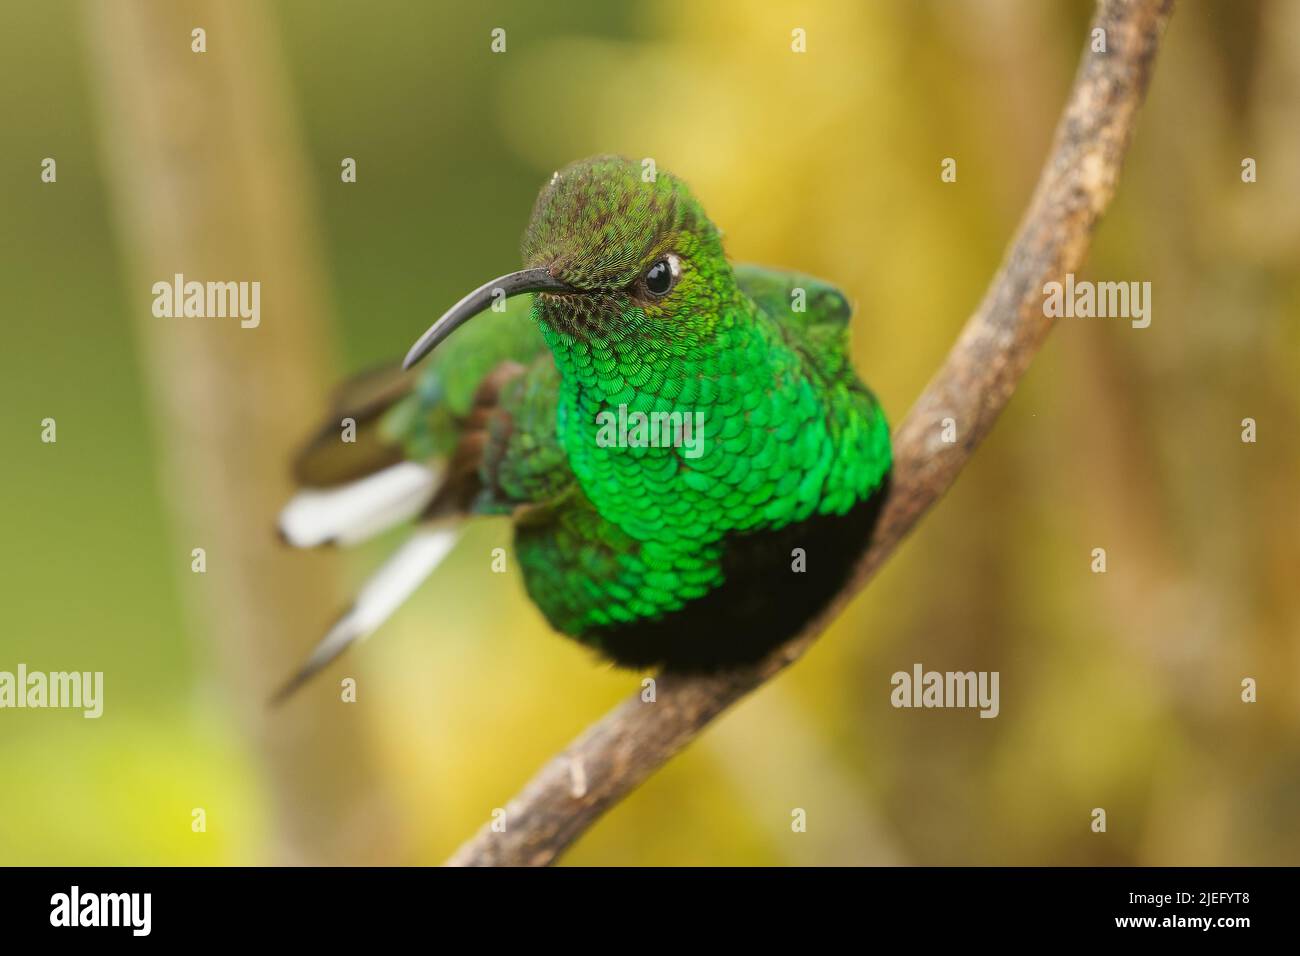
1119 690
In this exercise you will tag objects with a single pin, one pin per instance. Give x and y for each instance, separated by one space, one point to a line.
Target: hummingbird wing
798 299
813 314
355 480
403 445
381 595
380 456
333 456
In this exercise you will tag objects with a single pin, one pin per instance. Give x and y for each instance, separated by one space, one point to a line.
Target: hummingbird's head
613 248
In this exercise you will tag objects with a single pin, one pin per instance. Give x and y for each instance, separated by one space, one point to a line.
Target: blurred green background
1118 690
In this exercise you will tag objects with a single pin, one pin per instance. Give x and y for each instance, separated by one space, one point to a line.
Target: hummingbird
689 461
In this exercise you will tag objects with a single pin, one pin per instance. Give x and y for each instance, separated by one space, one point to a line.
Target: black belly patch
763 602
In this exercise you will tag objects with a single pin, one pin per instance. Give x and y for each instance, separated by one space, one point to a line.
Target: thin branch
976 381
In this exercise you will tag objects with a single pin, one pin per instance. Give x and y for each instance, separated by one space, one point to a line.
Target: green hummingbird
690 462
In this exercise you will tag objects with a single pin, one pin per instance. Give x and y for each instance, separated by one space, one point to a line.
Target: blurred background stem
206 176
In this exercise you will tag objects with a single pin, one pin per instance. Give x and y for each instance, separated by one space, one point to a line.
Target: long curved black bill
516 283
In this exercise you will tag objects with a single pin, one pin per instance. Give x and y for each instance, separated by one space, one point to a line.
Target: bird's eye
660 277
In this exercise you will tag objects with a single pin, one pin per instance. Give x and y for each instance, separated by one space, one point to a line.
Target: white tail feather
385 591
358 510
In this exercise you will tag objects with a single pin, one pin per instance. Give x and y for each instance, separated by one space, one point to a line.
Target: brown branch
976 381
